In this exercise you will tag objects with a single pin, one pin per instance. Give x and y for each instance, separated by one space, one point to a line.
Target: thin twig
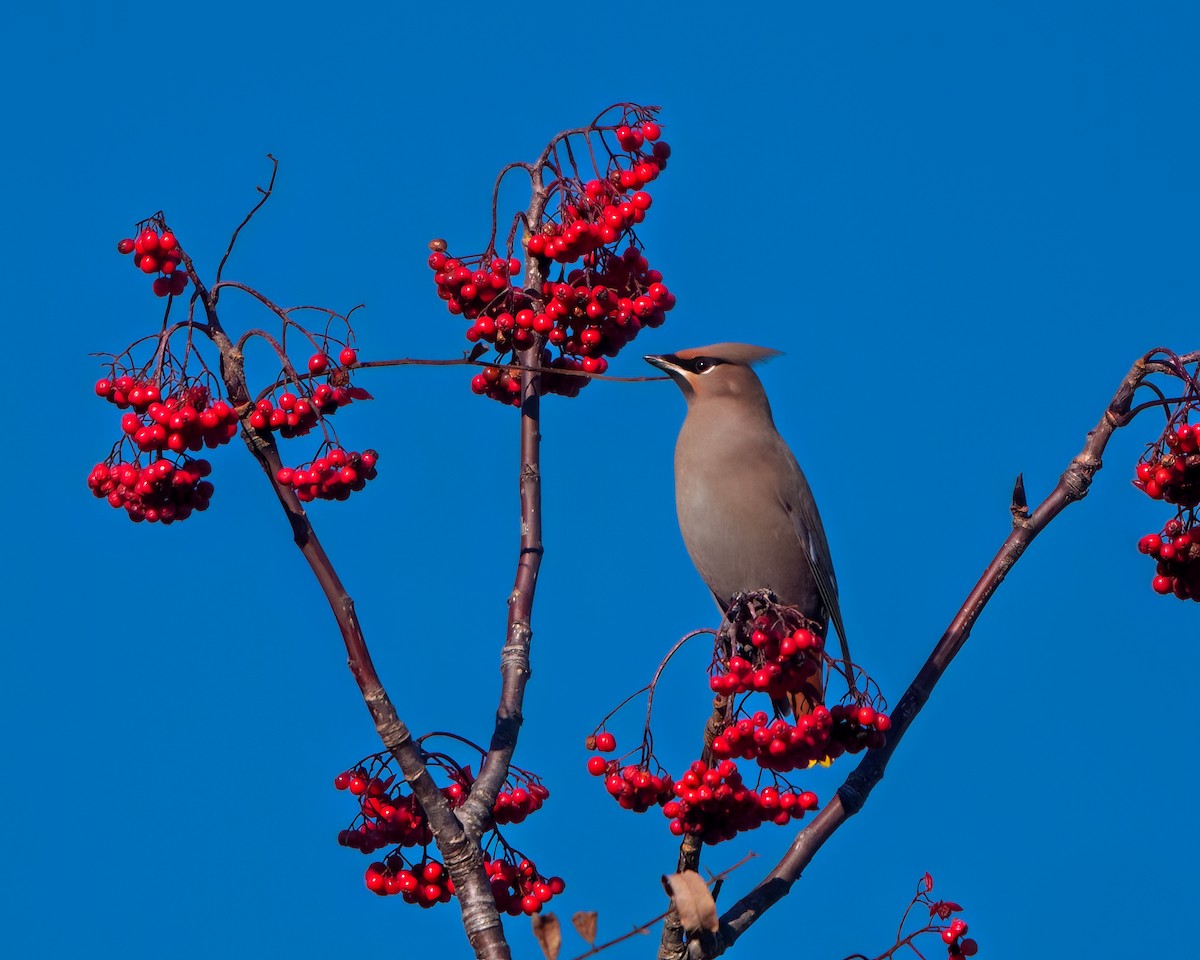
266 195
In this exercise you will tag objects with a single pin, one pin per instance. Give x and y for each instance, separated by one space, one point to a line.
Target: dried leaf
928 882
477 351
696 908
358 393
585 925
943 908
548 933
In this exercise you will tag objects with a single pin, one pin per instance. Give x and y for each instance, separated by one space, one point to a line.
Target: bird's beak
663 363
668 363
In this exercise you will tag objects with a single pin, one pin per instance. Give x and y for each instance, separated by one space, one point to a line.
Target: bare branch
266 195
476 813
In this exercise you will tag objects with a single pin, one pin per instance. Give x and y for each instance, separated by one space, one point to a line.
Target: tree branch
476 813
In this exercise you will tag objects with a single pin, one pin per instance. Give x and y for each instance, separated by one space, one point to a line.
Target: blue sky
961 222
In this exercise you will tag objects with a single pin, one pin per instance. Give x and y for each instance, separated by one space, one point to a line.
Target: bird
746 512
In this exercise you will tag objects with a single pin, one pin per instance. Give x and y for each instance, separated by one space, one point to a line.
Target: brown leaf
695 905
549 936
585 925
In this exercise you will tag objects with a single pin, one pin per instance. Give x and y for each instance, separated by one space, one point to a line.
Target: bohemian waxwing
746 512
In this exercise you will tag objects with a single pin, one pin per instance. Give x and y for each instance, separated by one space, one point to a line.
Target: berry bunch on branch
593 288
764 652
389 817
156 252
177 405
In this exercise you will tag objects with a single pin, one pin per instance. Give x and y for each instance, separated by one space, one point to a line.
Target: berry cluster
783 661
596 309
468 291
715 805
161 492
1171 470
633 787
333 476
499 383
159 253
385 818
1177 550
295 414
424 883
767 647
187 420
763 647
515 804
819 736
518 887
389 817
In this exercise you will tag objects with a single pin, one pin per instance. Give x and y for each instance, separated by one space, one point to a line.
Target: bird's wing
798 501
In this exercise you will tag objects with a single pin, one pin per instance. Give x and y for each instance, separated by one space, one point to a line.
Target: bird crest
742 353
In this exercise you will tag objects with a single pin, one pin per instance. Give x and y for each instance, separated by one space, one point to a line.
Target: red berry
125 246
348 357
596 766
606 742
431 872
318 363
147 241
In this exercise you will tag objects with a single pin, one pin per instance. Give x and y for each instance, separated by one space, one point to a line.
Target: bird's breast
735 525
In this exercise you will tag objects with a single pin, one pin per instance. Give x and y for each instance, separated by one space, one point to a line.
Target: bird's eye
702 365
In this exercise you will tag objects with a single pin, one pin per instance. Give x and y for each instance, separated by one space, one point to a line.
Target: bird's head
720 370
